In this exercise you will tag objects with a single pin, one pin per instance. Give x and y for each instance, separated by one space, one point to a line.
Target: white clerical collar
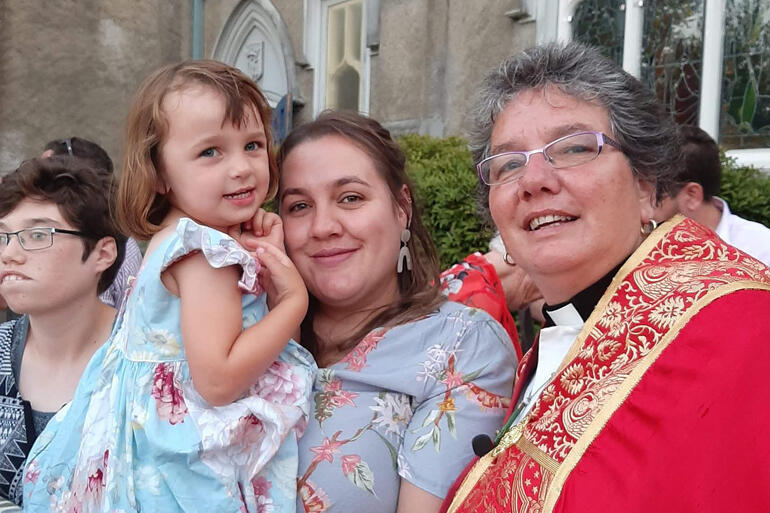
566 315
578 309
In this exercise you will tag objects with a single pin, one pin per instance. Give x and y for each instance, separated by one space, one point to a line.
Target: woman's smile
333 256
547 218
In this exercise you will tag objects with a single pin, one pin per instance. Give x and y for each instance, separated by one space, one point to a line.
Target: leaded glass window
672 48
745 114
601 23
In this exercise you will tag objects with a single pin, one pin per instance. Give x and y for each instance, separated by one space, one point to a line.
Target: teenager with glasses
59 249
101 162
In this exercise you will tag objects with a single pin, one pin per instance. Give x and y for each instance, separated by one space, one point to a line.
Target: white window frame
316 22
560 29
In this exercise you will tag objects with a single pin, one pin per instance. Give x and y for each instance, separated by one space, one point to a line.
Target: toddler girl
197 401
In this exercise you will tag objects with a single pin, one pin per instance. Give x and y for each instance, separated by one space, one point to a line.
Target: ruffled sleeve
219 249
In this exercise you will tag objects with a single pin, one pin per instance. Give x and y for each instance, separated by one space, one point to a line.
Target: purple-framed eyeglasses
568 151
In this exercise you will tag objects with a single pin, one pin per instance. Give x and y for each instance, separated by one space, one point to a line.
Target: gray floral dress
404 404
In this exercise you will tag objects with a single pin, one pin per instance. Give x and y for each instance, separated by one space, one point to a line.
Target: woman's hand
263 227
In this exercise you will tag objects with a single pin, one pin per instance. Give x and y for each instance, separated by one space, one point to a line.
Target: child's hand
280 278
264 227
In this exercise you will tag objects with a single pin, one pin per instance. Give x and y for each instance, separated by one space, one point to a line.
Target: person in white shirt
695 196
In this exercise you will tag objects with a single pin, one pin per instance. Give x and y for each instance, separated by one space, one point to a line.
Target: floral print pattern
474 282
137 436
169 401
404 404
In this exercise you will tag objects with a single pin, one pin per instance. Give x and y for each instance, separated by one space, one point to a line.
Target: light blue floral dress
138 437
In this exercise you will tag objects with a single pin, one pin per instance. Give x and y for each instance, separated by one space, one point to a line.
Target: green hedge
747 190
443 173
446 188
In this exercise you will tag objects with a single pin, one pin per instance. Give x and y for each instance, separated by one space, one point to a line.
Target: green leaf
436 435
450 422
421 442
467 378
362 477
325 376
430 417
323 410
749 106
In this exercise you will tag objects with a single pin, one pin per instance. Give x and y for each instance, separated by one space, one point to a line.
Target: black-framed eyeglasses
568 151
33 239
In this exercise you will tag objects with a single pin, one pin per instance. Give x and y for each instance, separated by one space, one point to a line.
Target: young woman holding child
197 402
407 378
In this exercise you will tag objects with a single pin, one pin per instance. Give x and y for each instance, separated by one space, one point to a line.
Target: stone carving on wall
255 58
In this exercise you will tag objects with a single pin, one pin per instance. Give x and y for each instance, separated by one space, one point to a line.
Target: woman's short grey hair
639 122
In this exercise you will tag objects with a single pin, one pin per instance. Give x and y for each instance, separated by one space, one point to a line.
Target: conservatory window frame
713 57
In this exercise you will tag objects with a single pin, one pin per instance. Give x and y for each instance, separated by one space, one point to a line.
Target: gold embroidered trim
470 481
628 385
636 258
537 454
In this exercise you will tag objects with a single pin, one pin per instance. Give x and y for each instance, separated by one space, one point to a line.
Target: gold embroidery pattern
681 268
514 482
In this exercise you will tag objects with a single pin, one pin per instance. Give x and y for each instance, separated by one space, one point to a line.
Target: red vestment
658 404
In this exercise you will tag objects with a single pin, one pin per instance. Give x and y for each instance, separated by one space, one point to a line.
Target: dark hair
638 121
140 208
82 195
701 164
418 288
84 149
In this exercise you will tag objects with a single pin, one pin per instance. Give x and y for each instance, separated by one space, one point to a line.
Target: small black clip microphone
482 444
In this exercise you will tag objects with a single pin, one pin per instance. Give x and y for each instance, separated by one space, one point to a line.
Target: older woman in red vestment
639 395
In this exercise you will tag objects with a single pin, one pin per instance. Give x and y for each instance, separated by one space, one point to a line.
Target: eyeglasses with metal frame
565 152
34 239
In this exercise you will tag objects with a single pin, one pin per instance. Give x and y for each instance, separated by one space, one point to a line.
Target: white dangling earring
404 253
508 259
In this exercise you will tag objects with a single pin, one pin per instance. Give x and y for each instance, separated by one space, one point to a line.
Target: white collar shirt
748 236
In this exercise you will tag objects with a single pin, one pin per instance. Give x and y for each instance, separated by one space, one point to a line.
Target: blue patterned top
404 404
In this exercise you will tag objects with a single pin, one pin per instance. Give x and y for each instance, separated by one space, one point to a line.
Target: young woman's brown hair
140 208
418 289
